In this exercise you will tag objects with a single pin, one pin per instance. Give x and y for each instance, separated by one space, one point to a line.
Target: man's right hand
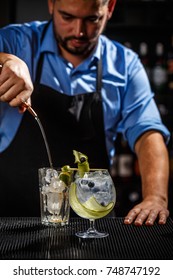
15 81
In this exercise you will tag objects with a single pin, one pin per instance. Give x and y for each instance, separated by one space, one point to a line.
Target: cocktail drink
92 196
54 196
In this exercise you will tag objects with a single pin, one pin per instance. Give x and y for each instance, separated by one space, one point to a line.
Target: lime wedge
95 212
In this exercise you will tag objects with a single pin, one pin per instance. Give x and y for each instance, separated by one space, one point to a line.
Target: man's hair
103 1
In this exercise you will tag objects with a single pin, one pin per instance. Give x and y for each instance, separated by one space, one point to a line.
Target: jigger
30 109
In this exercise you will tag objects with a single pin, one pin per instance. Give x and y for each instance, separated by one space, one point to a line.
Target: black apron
70 123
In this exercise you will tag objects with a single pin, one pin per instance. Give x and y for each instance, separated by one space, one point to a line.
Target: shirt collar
49 43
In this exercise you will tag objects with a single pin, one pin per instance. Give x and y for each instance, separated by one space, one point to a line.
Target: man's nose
79 28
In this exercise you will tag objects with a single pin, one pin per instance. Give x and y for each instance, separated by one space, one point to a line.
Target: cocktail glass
92 196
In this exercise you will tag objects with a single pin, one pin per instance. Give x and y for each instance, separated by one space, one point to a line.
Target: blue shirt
128 102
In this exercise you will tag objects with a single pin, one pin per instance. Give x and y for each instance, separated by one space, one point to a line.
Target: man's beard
75 50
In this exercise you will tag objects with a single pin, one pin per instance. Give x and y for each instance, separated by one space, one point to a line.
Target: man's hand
15 82
147 212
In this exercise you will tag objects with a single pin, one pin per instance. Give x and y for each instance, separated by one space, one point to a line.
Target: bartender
85 89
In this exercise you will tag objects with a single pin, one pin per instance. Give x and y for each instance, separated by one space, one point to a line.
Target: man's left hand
146 213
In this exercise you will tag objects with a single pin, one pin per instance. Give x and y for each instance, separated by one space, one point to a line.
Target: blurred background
146 26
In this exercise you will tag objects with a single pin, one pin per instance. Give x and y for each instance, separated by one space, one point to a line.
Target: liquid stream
34 114
45 142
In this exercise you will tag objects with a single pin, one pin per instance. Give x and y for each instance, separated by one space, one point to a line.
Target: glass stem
92 226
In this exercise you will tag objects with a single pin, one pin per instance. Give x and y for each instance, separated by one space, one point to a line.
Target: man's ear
111 6
50 6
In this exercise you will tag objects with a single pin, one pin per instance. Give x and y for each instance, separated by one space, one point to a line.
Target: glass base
91 234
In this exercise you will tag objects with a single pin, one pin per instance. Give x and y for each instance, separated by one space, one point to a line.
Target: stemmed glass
92 196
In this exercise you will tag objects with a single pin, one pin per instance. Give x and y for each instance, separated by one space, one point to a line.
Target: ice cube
50 173
54 202
103 198
57 185
83 190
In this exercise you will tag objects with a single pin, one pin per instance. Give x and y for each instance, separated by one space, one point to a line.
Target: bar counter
26 238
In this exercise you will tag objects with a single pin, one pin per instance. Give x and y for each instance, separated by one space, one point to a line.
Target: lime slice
82 209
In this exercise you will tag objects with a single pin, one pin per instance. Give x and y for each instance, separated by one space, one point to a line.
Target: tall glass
92 196
54 196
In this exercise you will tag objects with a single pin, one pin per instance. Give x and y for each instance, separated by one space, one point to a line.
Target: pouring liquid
34 114
45 141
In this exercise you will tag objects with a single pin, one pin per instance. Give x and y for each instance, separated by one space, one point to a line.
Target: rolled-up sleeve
139 110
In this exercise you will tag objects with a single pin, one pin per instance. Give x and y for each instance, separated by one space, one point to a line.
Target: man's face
78 24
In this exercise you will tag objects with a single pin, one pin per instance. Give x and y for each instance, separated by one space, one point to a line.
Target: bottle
122 173
122 163
159 72
170 67
125 166
144 56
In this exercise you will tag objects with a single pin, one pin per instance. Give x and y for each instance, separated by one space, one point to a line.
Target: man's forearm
154 166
